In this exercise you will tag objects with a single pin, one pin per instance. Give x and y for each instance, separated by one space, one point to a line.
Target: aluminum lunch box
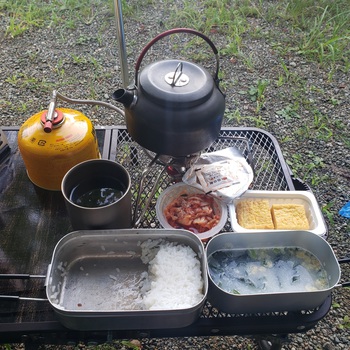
269 302
85 264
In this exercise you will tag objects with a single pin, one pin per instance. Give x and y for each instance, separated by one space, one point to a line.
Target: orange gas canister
49 148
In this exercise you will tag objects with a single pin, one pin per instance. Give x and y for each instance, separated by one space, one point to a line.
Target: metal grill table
33 220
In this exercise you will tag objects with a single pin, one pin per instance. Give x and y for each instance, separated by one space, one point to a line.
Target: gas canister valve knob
51 119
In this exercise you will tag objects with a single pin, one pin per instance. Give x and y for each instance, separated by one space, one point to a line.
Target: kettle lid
176 83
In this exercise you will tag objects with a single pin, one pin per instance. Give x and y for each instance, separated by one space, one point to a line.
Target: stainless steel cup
116 214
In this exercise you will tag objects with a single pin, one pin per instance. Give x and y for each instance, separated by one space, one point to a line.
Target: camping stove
175 167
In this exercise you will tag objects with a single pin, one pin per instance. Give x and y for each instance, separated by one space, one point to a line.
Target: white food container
312 209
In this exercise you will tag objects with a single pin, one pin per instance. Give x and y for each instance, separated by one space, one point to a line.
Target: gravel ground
84 63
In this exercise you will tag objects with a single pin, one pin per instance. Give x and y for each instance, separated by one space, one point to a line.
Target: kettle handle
173 31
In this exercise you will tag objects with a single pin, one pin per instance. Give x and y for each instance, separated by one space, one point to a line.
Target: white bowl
174 191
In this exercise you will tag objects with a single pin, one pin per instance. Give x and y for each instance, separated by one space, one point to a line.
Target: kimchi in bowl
182 206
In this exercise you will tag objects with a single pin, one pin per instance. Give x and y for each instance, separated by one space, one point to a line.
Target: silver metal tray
279 301
85 265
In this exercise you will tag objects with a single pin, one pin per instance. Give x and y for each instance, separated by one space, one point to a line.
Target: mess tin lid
176 84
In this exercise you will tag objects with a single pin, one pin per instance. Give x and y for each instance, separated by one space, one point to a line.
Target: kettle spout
123 96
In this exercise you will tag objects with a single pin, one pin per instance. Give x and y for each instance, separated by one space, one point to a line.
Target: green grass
319 30
26 15
322 28
307 167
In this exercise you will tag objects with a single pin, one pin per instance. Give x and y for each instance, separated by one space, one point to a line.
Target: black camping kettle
175 107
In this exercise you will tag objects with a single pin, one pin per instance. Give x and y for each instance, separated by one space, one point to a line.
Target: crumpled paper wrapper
224 174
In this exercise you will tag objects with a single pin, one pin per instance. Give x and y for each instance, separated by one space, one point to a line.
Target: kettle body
49 155
175 107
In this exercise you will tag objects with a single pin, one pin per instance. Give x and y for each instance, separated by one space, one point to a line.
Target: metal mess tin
279 301
80 282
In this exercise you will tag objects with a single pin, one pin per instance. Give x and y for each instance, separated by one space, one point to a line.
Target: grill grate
259 148
211 312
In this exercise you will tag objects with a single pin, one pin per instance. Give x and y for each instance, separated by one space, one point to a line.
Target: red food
194 212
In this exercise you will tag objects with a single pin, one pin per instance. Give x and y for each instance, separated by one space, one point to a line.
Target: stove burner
175 167
178 166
